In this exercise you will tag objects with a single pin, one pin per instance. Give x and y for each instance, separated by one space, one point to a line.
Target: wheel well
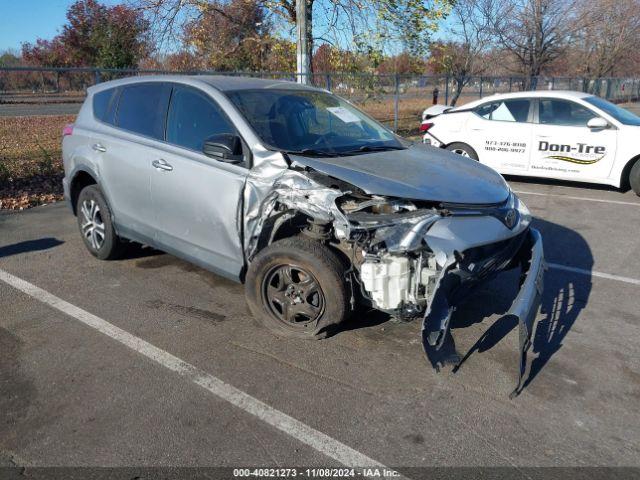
295 224
624 177
81 180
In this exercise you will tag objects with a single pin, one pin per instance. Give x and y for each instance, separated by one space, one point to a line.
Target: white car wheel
462 149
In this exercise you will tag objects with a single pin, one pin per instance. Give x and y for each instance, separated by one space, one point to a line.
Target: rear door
564 147
127 152
501 132
197 199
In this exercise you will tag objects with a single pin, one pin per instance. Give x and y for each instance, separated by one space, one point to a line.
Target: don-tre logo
579 148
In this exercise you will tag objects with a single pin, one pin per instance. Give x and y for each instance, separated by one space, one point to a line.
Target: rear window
516 110
142 109
103 105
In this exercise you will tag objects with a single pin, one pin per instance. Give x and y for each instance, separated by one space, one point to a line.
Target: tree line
460 38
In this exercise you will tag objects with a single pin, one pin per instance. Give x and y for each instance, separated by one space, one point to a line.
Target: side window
104 105
194 117
563 112
516 110
143 108
485 110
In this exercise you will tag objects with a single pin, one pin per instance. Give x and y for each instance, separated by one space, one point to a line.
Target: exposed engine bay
409 258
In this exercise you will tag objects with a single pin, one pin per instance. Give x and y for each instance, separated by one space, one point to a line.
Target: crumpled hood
419 172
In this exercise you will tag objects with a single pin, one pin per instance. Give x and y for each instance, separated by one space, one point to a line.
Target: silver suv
313 205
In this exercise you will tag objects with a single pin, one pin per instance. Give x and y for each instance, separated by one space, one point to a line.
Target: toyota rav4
293 191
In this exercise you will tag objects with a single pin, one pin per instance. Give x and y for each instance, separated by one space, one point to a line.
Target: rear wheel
295 287
463 149
634 177
94 221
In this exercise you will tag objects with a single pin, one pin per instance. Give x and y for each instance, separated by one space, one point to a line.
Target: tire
634 178
96 227
288 286
462 149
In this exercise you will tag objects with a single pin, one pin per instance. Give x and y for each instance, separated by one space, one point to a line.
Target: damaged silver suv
315 206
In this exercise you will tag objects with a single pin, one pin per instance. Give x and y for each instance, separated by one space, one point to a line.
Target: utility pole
302 47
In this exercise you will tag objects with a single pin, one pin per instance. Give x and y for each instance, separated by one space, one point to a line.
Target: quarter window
194 117
143 108
104 106
564 112
516 110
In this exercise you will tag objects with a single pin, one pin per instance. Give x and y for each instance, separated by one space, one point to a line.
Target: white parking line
586 199
590 273
283 422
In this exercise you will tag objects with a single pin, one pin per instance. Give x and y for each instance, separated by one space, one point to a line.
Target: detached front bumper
452 285
525 306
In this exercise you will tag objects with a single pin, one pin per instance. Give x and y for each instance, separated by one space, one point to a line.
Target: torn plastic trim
437 340
436 322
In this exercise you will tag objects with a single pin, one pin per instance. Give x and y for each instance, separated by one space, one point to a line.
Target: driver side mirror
597 123
226 147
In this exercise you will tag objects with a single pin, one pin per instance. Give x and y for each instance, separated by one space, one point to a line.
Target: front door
198 199
500 133
564 147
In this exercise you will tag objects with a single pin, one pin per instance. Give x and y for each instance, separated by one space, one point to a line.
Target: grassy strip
31 160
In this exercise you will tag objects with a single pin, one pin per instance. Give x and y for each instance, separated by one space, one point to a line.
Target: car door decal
585 154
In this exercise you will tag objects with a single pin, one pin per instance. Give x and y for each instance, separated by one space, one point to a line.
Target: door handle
98 147
161 165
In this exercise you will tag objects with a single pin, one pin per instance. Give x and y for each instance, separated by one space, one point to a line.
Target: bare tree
535 32
609 34
406 20
463 56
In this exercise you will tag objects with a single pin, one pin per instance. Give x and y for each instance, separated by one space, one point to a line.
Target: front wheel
296 288
462 149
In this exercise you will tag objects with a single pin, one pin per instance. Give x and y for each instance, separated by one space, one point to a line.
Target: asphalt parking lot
76 392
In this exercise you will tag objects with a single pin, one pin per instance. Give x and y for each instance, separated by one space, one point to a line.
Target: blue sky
25 20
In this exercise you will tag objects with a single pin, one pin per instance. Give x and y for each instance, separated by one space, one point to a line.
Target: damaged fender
272 183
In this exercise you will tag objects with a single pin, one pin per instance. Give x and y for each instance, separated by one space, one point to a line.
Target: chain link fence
396 100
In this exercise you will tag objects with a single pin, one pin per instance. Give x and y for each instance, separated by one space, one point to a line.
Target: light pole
303 62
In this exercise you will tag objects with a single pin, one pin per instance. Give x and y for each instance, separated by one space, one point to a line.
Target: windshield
311 123
622 115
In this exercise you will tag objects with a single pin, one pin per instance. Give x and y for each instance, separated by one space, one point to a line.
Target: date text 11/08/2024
315 472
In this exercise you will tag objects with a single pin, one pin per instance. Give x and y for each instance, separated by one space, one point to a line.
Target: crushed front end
411 259
425 261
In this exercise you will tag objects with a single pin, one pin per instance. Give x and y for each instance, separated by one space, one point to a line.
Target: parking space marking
590 273
283 422
587 199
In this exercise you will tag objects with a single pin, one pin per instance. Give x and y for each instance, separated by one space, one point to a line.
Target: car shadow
29 246
565 295
361 318
134 250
